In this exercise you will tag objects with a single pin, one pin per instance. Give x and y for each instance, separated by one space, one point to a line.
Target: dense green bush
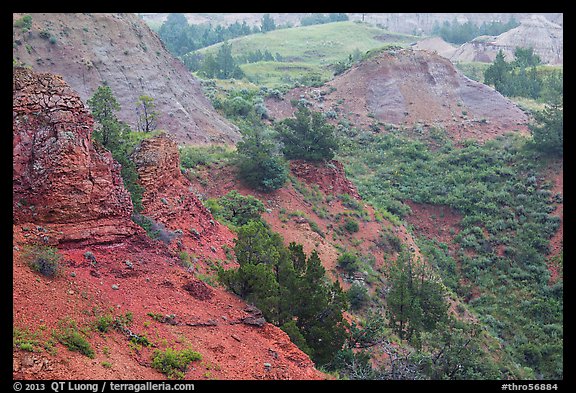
193 156
174 363
349 262
237 209
259 161
25 22
351 225
237 106
415 301
307 136
358 296
521 77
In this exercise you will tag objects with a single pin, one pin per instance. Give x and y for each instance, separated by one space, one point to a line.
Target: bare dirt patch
435 222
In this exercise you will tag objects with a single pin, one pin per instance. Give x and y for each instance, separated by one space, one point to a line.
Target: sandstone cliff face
169 198
120 50
59 177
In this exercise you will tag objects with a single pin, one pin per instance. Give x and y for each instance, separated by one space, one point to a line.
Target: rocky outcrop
59 177
169 199
437 45
121 51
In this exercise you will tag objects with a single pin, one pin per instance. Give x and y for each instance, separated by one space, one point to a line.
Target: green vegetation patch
26 340
500 190
306 55
174 363
317 44
72 338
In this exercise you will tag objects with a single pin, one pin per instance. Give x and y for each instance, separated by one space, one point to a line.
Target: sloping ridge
537 32
120 50
409 88
435 44
68 194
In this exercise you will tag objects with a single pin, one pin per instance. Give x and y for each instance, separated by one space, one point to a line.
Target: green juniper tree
267 23
497 73
548 127
307 136
112 134
221 66
415 300
174 33
259 161
290 289
103 106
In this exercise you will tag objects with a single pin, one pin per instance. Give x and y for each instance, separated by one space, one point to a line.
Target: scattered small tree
146 114
267 24
415 300
111 133
221 66
548 127
497 73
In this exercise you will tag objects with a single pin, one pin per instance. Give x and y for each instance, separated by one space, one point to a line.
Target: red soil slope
312 197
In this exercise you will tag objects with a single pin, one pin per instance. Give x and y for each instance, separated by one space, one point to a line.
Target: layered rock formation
537 32
59 177
120 50
169 198
412 88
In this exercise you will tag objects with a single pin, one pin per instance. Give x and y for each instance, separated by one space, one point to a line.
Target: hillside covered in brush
336 203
